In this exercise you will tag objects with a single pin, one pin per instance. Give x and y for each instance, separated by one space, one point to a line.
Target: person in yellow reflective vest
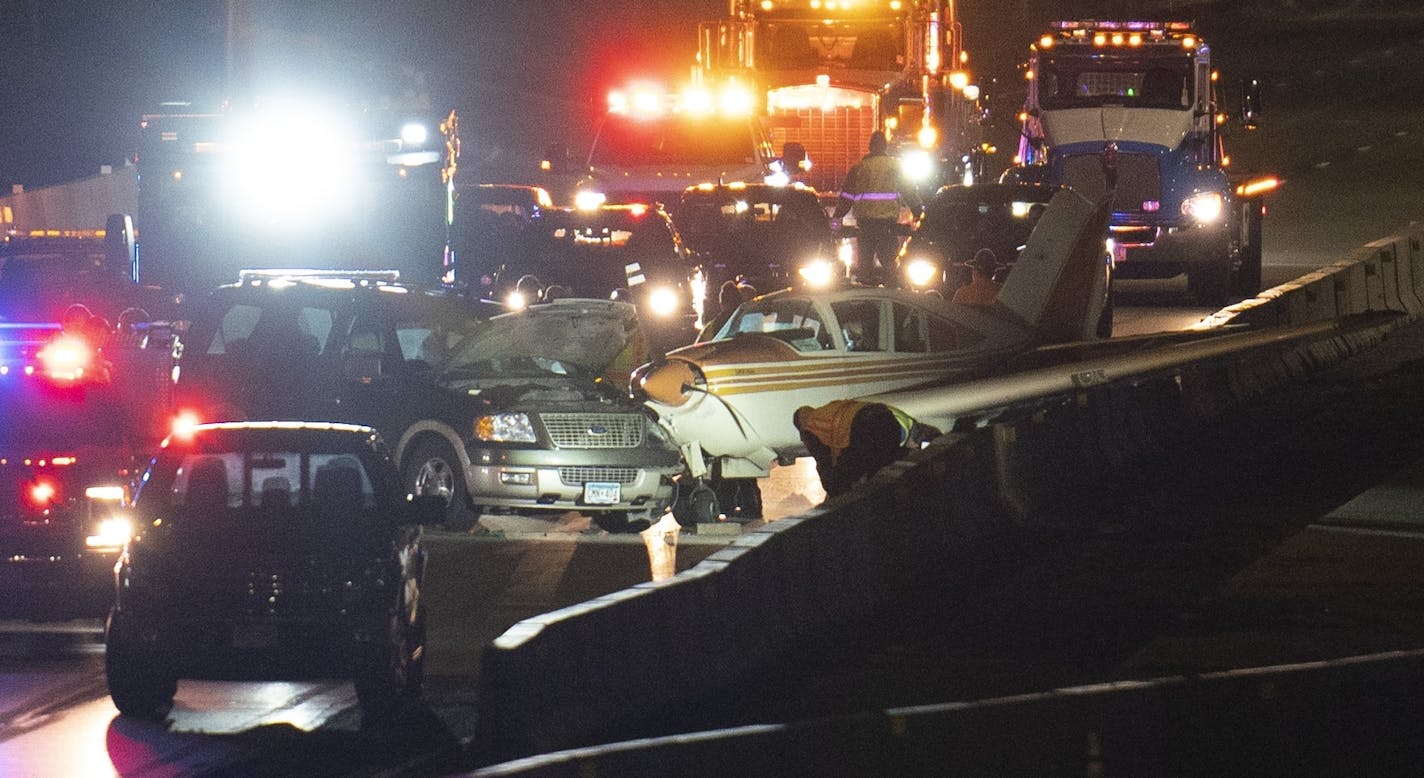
873 192
852 439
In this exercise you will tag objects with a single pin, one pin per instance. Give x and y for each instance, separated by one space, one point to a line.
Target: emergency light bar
1088 25
355 276
1114 33
648 101
824 7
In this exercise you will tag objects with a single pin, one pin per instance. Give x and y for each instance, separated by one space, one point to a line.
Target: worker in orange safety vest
852 439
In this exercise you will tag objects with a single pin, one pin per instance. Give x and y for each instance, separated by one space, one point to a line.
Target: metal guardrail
569 678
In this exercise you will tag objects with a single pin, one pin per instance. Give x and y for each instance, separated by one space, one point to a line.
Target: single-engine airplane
728 401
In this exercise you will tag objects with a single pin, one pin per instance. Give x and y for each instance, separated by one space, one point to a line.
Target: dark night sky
75 75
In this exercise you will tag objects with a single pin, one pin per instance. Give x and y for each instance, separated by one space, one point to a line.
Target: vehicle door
262 360
363 384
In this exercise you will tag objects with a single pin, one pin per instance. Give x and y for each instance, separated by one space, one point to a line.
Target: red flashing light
185 425
66 358
42 493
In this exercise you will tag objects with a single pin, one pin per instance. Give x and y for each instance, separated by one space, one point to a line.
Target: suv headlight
505 428
1203 207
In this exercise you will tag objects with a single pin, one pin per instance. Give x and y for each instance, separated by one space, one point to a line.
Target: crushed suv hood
586 333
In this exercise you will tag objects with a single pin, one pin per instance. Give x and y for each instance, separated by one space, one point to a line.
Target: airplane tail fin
1063 297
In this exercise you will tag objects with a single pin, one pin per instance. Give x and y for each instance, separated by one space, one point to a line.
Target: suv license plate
600 493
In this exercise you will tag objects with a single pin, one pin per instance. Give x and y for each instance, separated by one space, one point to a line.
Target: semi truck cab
1129 110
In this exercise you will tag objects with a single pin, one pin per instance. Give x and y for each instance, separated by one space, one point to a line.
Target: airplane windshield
793 320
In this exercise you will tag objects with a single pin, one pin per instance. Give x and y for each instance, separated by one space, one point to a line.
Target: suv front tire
432 469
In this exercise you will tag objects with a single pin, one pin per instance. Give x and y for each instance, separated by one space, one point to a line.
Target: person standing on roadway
852 439
873 192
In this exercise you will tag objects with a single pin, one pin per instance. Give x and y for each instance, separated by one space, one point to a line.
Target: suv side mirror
423 509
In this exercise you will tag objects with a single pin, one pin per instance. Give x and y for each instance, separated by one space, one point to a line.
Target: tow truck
1130 109
828 74
293 183
81 417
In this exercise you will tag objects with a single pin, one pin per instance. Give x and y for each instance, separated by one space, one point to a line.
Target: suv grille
1138 179
594 430
577 476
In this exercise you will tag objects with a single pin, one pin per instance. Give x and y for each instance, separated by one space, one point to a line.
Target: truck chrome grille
1138 179
577 476
594 430
834 140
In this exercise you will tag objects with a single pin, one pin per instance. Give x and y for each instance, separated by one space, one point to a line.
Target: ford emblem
597 429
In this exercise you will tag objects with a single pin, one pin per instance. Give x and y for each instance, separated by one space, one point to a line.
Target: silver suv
489 410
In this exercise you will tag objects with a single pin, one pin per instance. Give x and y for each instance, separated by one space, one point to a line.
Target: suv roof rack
355 276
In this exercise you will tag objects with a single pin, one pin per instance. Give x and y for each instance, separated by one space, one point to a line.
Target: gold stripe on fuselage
783 376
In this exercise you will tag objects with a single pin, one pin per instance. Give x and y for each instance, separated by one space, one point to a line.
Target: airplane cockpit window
793 320
910 335
860 324
945 335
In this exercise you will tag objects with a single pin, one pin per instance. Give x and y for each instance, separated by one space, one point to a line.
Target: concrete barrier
1350 716
583 675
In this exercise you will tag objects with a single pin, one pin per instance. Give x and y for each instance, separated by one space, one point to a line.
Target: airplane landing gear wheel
697 505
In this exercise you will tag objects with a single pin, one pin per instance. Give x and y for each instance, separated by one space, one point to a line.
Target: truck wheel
138 683
1248 277
1105 321
1210 283
390 670
431 468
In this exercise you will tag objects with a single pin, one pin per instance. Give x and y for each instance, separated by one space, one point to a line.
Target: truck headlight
111 534
1203 207
817 273
414 134
917 165
921 272
663 302
589 200
505 428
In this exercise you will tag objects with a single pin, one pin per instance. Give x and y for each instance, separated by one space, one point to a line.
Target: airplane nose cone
666 383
